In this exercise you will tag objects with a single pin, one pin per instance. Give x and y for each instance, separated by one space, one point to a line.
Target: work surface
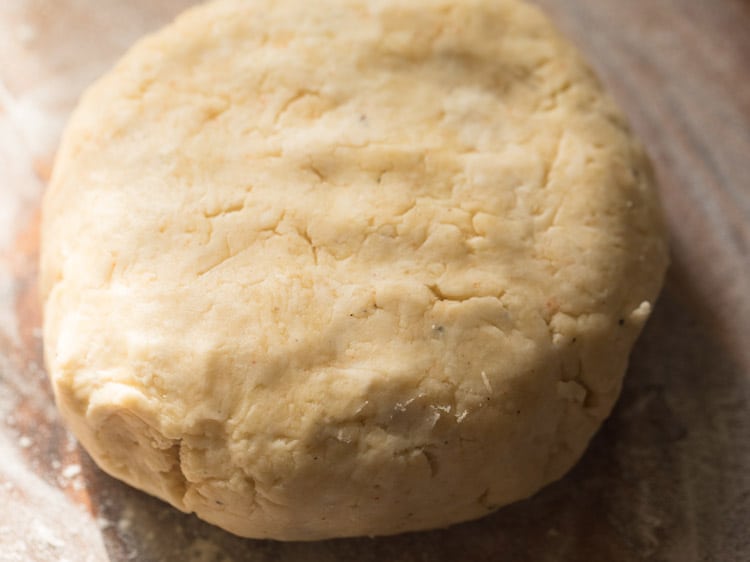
666 479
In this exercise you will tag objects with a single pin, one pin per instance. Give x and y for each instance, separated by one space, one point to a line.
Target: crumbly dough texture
335 268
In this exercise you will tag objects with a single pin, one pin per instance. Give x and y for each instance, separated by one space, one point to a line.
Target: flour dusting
37 521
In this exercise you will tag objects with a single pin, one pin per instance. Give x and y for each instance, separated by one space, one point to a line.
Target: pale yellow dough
333 268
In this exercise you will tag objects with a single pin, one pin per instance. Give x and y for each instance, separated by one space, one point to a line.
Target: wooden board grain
667 478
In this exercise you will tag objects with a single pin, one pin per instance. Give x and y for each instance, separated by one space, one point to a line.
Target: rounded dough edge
453 290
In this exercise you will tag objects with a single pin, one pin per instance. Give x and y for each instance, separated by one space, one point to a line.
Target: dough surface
317 269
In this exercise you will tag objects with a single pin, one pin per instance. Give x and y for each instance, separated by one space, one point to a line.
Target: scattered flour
202 550
37 521
71 471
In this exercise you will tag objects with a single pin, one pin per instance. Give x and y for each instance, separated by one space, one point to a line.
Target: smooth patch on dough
323 269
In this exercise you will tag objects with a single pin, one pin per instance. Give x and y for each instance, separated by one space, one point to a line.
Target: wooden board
667 478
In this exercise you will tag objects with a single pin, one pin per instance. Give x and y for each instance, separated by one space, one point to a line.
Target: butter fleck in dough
336 268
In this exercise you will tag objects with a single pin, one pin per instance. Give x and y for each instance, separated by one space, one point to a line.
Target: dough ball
336 268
